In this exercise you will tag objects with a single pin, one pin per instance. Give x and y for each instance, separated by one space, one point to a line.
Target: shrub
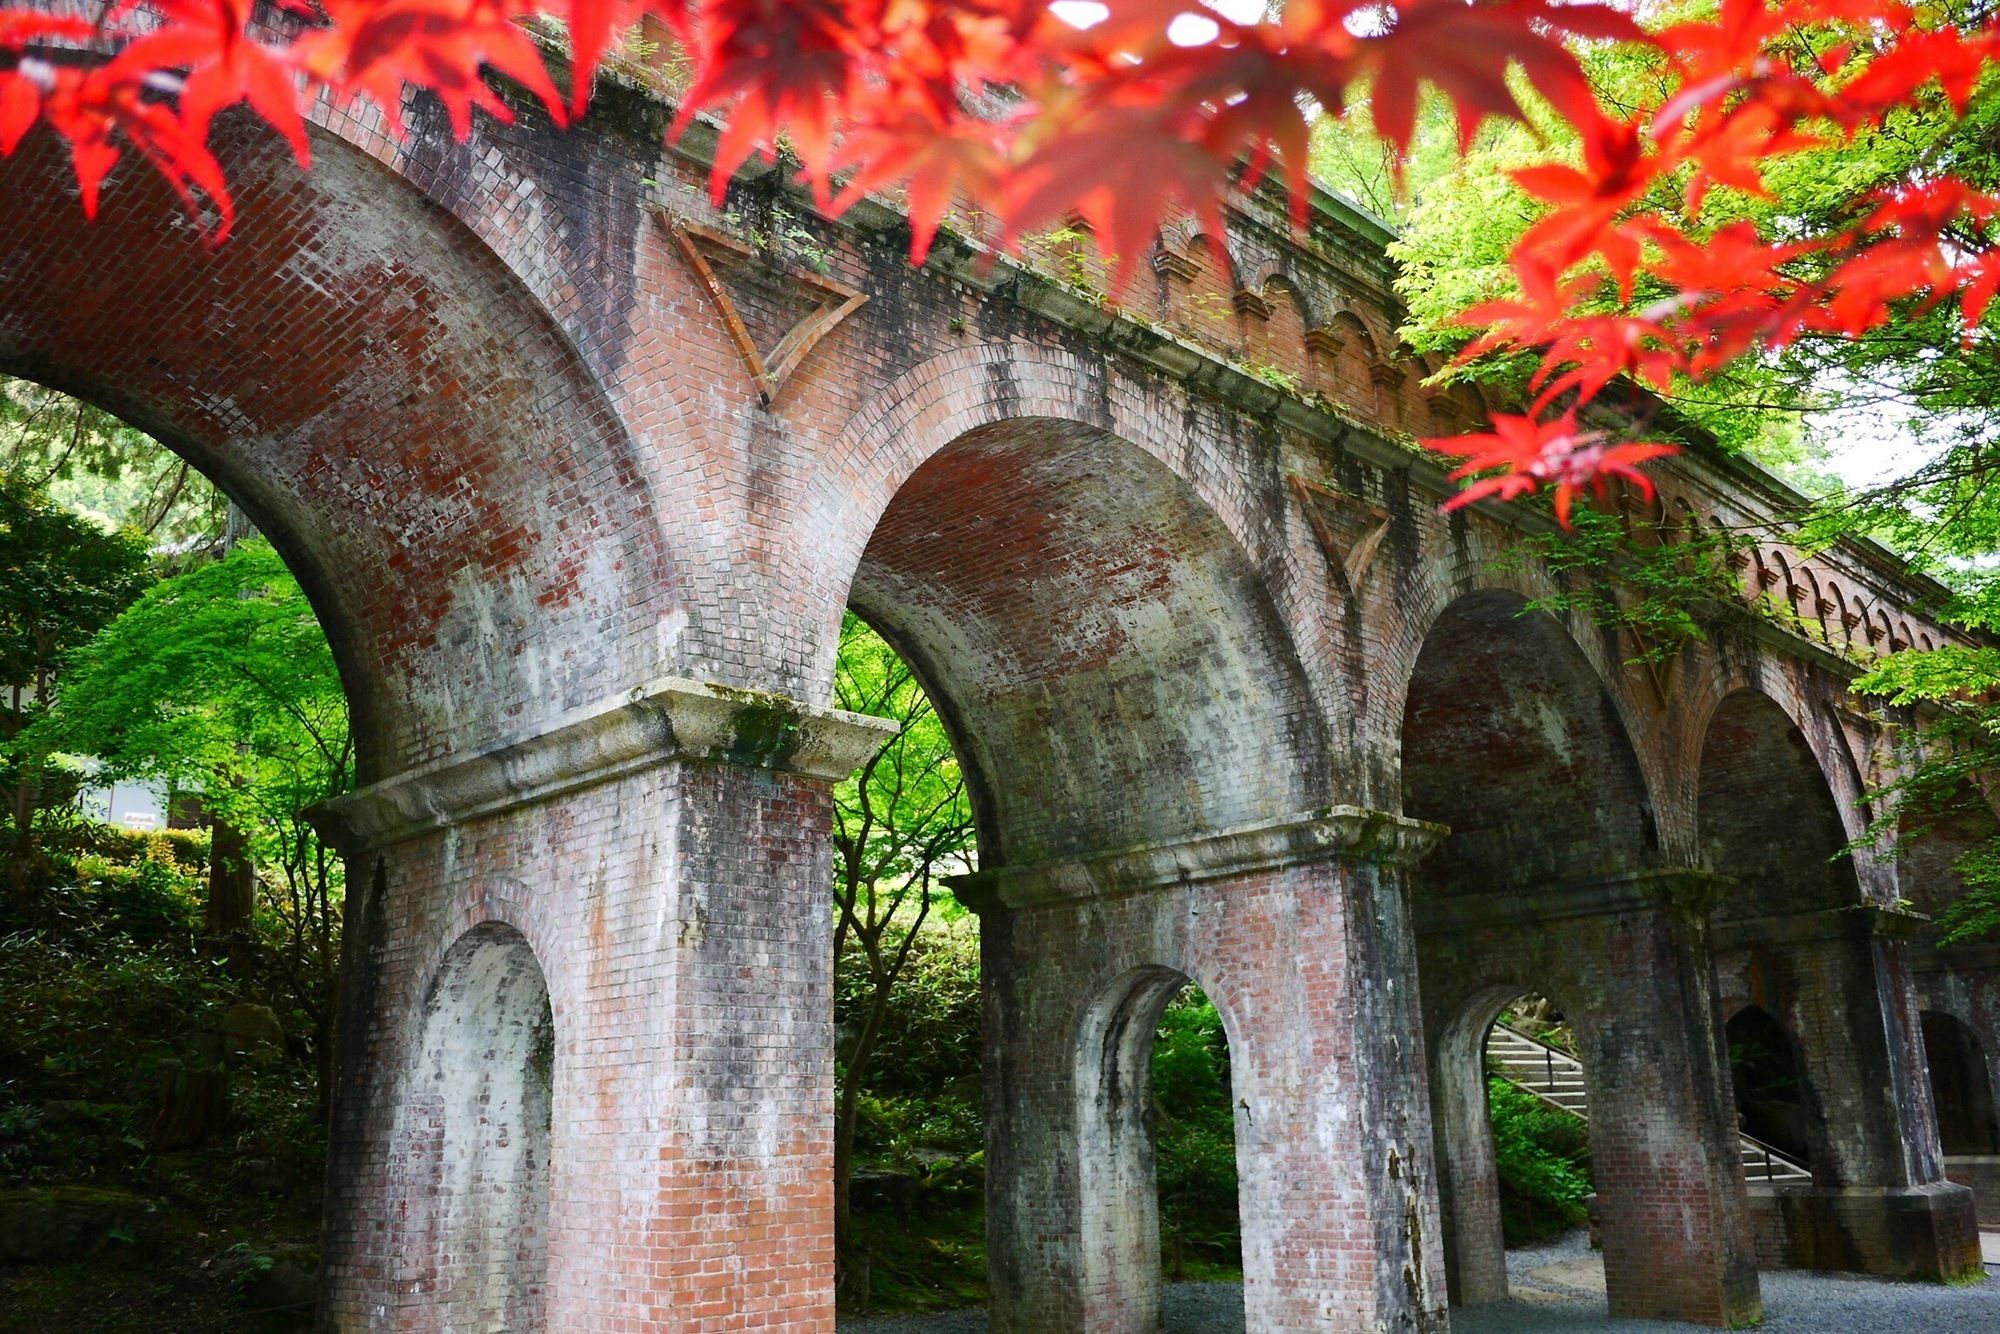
1195 1131
1544 1163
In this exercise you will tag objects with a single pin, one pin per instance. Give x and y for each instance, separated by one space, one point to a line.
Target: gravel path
1553 1286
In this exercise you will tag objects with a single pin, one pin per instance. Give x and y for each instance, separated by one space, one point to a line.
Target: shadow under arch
1932 838
1512 740
383 397
1961 1085
1774 1102
1103 652
1766 815
1791 939
478 1119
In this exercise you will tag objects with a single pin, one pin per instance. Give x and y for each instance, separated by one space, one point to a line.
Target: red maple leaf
377 48
1521 454
220 63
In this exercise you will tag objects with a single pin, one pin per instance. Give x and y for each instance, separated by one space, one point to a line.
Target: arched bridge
581 473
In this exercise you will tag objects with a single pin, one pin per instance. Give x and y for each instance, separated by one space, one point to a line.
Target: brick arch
1347 373
1113 1038
1766 812
1202 303
1885 634
1277 337
1183 234
1003 416
504 901
1709 678
1839 632
1111 665
378 391
1445 579
1467 1157
1512 738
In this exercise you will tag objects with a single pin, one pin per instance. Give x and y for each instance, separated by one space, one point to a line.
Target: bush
1195 1133
1544 1162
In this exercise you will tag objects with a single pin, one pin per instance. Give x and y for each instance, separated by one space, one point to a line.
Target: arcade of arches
1238 706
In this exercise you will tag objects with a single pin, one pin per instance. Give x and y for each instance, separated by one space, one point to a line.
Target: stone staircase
1557 1079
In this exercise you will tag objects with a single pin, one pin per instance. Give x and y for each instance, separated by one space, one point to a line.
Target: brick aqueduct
581 474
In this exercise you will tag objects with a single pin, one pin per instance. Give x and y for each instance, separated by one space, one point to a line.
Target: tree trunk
194 1103
232 883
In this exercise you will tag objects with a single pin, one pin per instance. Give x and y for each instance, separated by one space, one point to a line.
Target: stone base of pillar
1912 1232
1980 1174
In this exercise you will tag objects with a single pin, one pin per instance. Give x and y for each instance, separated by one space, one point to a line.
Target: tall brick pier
581 474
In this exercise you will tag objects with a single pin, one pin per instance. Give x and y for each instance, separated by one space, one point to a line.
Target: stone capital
667 719
1335 832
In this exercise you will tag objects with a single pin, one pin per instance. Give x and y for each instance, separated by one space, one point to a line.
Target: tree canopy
1123 112
63 578
220 683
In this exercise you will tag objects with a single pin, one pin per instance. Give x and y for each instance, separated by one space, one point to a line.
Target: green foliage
94 463
1544 1164
1654 583
62 579
219 683
108 992
1917 380
1955 748
901 822
1195 1134
932 1043
100 994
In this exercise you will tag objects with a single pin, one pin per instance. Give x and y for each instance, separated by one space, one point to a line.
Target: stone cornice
1687 888
1333 832
1978 954
1845 922
666 719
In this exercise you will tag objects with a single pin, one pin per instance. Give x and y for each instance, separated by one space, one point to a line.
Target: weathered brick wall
1627 961
679 919
1336 1190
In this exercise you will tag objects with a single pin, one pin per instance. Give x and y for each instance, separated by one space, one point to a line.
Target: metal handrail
1773 1158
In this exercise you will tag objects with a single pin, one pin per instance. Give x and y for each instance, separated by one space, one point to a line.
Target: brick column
666 860
1840 981
1474 1241
1297 930
1628 960
1665 1156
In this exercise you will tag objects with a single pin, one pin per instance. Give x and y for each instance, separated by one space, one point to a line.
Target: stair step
1558 1079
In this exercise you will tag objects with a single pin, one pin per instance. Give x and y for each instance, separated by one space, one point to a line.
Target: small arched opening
1961 1085
1769 1089
1157 1145
482 1108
